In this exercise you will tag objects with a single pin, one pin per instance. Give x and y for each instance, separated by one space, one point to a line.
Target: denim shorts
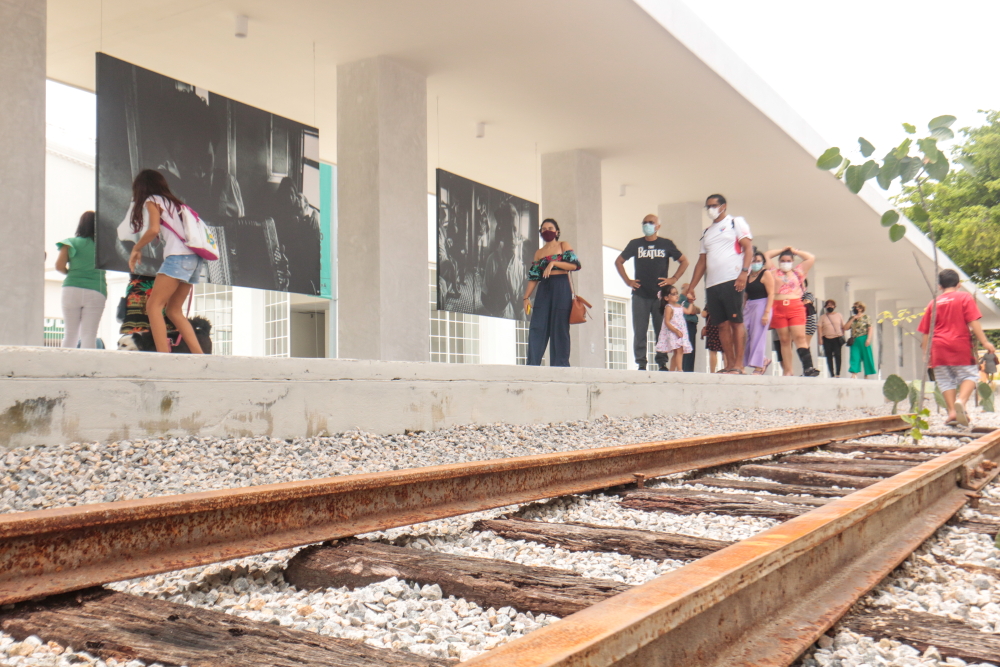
185 268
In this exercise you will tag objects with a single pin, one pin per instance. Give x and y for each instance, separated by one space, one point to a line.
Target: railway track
761 600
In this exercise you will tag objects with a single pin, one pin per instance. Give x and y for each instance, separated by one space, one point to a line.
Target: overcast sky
861 67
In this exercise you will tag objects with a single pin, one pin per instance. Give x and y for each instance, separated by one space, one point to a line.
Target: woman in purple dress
757 314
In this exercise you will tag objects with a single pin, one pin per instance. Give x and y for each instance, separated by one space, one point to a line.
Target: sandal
729 371
961 416
951 422
762 369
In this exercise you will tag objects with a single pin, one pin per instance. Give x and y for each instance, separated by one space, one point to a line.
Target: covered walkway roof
671 111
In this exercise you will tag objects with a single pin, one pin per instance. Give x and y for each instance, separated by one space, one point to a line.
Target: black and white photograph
251 175
486 240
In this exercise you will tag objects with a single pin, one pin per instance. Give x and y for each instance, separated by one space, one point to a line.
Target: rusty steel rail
59 550
762 601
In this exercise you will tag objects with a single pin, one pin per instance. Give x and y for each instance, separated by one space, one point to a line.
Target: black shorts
724 303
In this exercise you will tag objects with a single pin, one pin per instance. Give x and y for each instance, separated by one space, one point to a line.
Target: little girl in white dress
673 333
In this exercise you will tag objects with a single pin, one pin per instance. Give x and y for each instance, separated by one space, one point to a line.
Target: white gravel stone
925 583
397 614
43 477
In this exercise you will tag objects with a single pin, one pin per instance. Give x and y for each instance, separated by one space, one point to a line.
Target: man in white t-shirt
726 253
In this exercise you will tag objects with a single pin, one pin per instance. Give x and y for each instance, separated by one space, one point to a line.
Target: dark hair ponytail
85 229
148 183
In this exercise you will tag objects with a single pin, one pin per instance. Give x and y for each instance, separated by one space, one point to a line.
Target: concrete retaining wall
55 396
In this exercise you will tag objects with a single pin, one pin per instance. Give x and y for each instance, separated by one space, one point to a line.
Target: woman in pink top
788 317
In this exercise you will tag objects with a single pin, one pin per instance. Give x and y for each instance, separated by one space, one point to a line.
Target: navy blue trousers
550 321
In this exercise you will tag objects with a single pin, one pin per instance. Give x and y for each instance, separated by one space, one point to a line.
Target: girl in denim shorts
152 204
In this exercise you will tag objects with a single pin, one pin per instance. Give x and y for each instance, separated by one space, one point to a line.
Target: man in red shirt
952 356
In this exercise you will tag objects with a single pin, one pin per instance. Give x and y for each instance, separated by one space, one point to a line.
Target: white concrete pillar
683 224
382 310
22 170
890 337
571 194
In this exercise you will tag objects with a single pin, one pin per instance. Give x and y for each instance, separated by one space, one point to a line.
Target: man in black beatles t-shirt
651 256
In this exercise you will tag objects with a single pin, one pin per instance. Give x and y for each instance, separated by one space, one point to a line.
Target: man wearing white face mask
652 255
726 253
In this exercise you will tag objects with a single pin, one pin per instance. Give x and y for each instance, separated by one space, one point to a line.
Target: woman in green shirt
84 289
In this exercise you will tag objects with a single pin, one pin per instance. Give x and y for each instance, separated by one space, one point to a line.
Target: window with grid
454 336
615 334
215 304
276 315
53 331
521 343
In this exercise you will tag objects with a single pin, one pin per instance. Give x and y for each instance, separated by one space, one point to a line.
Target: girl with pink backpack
157 211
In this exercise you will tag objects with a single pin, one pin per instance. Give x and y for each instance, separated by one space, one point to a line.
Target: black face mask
829 309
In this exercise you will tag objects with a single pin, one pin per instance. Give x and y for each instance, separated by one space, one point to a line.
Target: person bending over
153 200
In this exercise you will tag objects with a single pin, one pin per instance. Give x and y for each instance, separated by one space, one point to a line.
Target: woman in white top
157 210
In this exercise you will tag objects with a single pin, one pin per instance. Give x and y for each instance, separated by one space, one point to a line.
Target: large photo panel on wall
486 240
252 176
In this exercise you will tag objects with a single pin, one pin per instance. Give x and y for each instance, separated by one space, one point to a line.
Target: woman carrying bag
548 280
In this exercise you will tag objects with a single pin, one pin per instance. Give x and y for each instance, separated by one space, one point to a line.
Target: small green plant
918 423
914 395
939 398
986 397
895 390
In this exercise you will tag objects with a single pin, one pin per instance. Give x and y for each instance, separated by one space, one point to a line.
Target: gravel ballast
399 614
43 477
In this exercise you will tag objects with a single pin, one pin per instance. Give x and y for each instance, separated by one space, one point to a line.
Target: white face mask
648 228
785 266
713 212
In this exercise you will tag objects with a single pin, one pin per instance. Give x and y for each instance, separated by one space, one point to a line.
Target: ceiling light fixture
480 130
242 25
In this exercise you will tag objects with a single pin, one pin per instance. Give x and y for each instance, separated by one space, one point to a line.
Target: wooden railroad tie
683 501
486 581
589 537
126 627
953 639
790 475
770 487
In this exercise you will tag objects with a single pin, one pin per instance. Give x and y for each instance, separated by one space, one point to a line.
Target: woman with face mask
789 316
831 330
757 314
548 280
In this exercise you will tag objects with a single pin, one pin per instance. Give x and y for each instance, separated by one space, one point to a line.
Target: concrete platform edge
54 396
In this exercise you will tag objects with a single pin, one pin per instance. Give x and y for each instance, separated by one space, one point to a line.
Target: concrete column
571 194
683 224
22 170
382 310
890 338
